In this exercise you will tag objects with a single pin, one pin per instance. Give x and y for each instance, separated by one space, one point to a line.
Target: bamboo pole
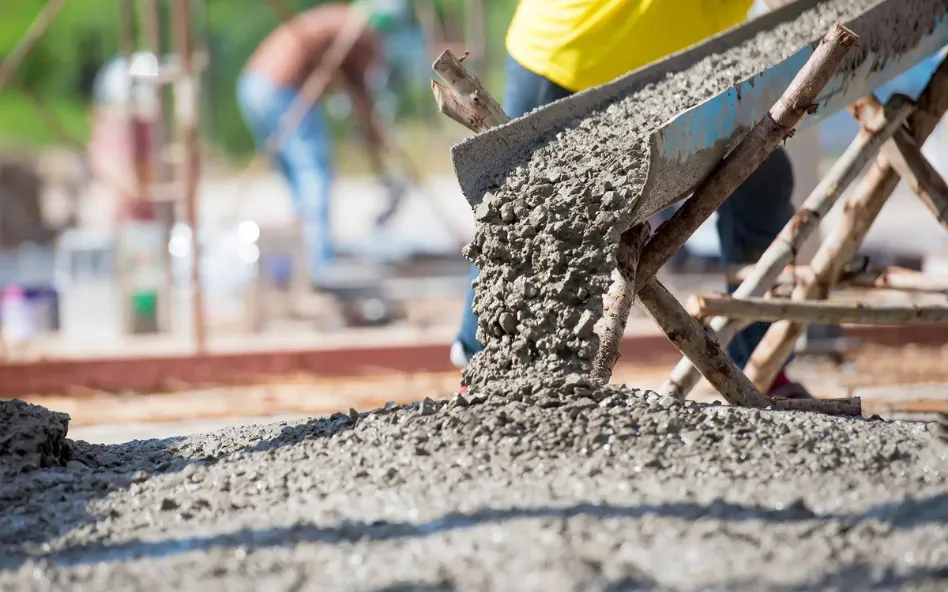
618 301
887 278
38 27
861 210
476 110
920 176
687 334
804 223
815 311
188 129
462 97
850 406
754 149
151 21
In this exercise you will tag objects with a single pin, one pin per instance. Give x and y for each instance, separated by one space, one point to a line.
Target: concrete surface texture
554 485
538 478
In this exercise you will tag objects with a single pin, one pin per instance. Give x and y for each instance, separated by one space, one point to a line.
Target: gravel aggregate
537 478
563 484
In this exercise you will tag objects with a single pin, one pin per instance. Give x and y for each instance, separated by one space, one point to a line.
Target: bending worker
270 83
558 47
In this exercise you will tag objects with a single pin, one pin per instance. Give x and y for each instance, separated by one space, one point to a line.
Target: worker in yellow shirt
558 47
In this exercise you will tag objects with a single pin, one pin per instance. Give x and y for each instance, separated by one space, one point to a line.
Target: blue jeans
747 222
304 160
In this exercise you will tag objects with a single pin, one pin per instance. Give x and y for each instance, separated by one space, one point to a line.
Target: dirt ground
893 382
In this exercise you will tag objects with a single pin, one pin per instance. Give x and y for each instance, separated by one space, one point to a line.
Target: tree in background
85 35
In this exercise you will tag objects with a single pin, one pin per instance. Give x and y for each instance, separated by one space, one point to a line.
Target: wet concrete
31 437
547 230
557 485
538 478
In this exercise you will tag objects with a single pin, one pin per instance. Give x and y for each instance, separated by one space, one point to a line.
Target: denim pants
304 160
747 222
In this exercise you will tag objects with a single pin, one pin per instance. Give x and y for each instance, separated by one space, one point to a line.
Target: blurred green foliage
63 65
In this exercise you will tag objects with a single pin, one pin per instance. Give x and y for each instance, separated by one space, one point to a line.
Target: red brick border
160 372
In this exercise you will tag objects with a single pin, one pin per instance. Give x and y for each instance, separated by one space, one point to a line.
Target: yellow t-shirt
583 43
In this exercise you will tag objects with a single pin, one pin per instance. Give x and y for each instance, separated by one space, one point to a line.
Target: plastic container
16 316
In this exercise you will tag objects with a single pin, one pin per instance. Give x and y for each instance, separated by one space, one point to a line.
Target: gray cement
547 231
31 437
538 478
553 485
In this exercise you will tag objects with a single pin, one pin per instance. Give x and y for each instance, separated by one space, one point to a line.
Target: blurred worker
558 47
270 83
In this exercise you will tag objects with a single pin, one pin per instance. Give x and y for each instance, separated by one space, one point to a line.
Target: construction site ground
276 485
633 492
905 382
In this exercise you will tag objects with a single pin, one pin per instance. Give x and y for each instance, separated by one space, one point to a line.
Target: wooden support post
851 406
905 157
861 210
754 149
691 339
466 101
921 177
811 312
618 301
188 137
462 97
887 278
151 21
804 223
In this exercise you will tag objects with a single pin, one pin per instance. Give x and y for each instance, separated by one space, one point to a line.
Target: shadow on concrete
43 504
853 576
353 531
439 586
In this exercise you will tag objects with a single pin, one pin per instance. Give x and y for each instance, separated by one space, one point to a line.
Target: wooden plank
817 312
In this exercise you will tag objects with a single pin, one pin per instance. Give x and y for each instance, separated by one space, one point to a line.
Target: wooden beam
886 278
753 150
851 406
187 119
921 177
462 97
770 310
618 301
783 250
691 339
861 209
